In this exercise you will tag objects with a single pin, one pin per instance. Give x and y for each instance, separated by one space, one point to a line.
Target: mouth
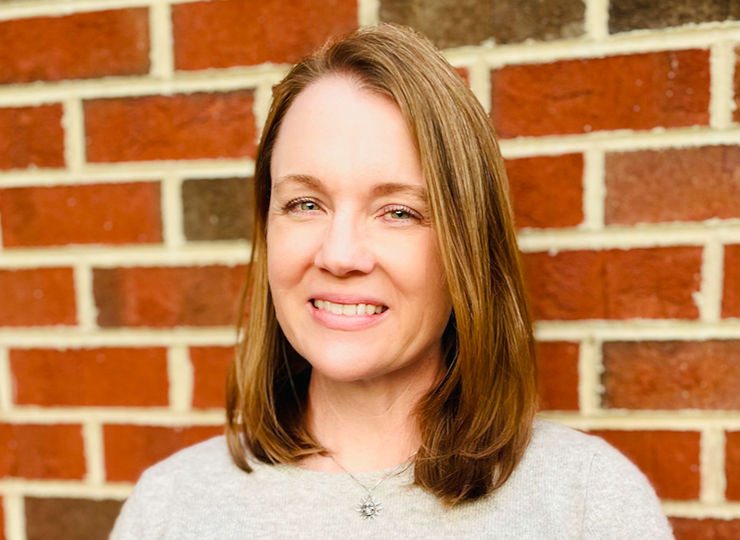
348 309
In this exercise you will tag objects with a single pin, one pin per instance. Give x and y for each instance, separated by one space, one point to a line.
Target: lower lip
345 322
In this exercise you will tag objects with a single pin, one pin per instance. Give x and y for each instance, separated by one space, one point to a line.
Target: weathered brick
130 450
452 23
705 529
168 296
218 209
651 283
547 191
77 46
64 519
37 297
672 375
627 15
731 287
123 377
237 33
732 465
42 451
557 375
663 89
682 184
670 459
209 367
31 137
89 214
183 126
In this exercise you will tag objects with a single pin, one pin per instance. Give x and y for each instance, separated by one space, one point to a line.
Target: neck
367 425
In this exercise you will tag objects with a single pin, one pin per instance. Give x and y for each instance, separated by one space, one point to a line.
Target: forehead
338 132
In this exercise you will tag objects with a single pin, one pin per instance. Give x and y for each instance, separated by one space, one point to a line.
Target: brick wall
127 135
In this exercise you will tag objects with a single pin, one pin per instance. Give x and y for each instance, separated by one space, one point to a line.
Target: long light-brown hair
476 421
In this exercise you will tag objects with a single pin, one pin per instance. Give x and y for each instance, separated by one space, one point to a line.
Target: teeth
349 309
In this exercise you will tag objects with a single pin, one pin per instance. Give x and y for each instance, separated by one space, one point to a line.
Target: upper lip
348 299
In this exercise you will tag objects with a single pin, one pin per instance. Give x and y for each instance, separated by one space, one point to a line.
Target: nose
344 248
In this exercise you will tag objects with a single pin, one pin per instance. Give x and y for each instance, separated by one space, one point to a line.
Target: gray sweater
568 485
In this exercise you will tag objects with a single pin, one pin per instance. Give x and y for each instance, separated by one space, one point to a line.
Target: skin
339 233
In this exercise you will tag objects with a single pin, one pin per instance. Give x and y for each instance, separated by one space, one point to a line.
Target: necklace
370 507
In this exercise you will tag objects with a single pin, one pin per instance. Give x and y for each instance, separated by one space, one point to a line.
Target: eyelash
394 208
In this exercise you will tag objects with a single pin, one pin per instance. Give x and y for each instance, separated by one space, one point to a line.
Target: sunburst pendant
369 508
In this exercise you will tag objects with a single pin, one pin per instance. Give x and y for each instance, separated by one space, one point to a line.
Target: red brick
2 521
731 288
672 375
183 126
42 451
557 375
31 137
732 465
547 191
705 529
670 459
683 184
238 33
90 214
210 365
124 377
651 283
78 46
37 297
464 73
662 89
168 296
130 450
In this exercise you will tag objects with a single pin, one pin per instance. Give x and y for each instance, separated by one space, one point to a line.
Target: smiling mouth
348 309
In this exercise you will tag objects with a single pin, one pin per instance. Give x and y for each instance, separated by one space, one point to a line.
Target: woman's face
353 261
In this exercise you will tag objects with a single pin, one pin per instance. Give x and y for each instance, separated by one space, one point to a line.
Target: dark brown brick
705 529
168 296
31 137
77 46
218 209
650 283
64 519
557 376
547 191
452 23
670 459
239 33
672 375
182 126
639 91
625 15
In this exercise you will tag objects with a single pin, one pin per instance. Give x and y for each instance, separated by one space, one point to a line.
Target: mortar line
15 517
480 82
722 72
712 465
171 207
589 362
87 311
92 433
594 188
74 135
6 381
596 19
180 375
698 510
161 52
709 297
368 12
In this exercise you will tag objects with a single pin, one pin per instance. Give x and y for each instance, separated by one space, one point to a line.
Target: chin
345 366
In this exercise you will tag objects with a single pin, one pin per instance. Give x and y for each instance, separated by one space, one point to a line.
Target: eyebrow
379 190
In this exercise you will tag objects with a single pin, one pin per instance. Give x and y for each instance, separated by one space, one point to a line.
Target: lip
348 299
345 322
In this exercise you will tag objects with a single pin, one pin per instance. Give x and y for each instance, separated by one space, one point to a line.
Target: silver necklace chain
370 507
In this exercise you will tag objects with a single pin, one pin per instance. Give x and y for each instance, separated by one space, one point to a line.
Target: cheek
290 252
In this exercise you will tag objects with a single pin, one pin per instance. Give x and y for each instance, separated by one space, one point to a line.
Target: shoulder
615 500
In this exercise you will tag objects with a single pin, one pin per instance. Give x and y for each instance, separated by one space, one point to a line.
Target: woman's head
475 420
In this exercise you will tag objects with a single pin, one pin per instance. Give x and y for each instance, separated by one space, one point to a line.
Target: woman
384 386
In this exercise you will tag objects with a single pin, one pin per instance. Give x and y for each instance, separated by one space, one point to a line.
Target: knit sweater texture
569 485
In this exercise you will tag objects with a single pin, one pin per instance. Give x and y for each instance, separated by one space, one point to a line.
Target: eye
401 213
307 206
301 205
